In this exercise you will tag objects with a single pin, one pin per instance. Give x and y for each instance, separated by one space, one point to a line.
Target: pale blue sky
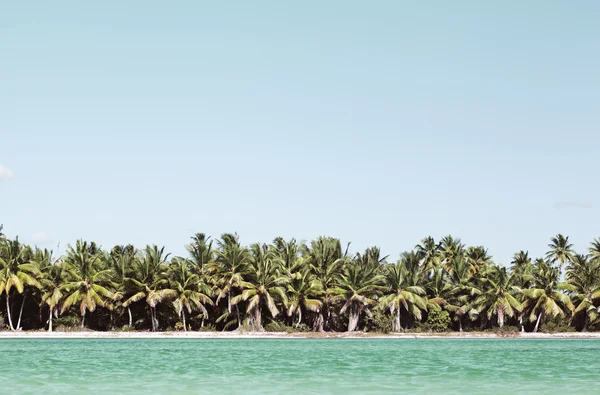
376 122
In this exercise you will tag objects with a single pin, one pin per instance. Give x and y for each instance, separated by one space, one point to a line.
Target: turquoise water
340 366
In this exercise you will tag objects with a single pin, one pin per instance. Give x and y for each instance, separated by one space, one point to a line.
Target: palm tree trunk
183 319
460 328
237 311
318 326
500 319
21 311
83 320
299 317
130 317
257 318
537 324
12 328
396 325
522 327
50 321
353 318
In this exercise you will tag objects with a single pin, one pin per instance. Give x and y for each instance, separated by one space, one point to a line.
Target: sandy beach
284 335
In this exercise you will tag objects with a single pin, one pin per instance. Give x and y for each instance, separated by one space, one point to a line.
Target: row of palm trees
224 285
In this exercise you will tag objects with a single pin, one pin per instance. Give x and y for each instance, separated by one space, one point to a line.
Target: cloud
41 238
5 173
574 203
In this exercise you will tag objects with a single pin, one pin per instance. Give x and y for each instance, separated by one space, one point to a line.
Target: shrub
275 326
508 331
438 320
179 326
554 327
208 328
380 322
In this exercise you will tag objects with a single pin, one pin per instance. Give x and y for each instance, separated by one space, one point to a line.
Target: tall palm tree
583 279
288 254
440 295
201 251
191 293
357 287
16 271
303 292
402 291
450 249
264 285
52 295
594 250
122 261
428 252
477 258
229 268
561 250
86 279
326 260
150 282
497 296
545 297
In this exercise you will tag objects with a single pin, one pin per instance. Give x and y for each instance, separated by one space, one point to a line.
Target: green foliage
380 322
438 320
508 331
294 286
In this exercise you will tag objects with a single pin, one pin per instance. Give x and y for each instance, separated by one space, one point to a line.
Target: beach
285 335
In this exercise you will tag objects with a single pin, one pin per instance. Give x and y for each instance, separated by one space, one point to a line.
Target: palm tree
201 251
288 253
52 295
149 279
521 271
460 277
303 292
477 258
497 297
357 287
450 249
440 295
85 279
122 260
561 250
594 250
229 268
326 260
428 252
583 279
264 285
191 293
545 298
16 271
402 290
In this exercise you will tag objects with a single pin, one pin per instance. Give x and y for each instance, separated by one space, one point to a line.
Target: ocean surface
304 366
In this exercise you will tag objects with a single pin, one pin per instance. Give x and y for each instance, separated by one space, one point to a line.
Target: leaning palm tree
545 297
402 291
150 282
86 280
357 288
264 285
190 292
16 271
583 279
561 250
497 296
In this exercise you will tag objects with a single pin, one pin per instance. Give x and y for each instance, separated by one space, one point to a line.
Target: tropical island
440 287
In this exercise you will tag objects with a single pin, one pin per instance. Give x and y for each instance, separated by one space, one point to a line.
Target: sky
379 123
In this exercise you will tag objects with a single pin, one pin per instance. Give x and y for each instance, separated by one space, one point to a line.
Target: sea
300 366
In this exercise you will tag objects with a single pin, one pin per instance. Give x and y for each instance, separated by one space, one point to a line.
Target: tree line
319 286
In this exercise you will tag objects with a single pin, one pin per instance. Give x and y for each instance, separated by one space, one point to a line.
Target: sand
284 335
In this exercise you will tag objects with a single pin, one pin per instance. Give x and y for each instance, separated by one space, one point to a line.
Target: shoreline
284 335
